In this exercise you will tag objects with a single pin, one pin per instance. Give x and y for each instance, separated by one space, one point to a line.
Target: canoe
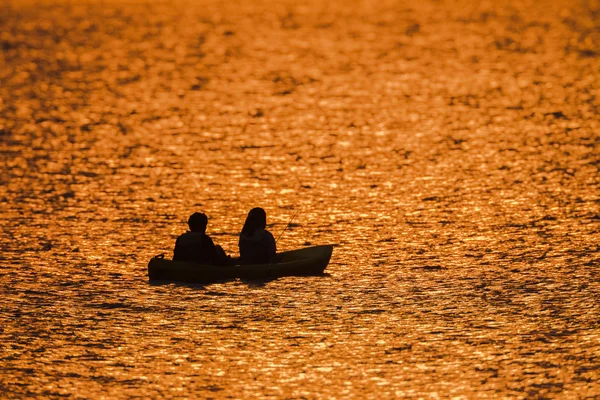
307 261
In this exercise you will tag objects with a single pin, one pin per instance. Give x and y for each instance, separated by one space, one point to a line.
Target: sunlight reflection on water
450 151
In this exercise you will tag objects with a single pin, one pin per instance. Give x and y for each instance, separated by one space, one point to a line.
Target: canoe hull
307 261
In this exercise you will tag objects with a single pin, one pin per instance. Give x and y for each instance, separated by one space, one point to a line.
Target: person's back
196 246
257 245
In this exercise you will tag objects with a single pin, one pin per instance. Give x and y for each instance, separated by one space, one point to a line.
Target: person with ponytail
257 245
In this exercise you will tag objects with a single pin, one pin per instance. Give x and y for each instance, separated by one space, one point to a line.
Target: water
451 151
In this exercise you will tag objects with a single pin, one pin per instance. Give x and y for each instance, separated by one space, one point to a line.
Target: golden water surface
450 149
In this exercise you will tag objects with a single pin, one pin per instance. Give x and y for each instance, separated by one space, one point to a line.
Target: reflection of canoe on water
307 261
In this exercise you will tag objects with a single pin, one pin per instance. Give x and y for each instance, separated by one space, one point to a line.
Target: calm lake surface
450 150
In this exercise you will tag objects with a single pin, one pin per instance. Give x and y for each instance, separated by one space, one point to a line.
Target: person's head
197 222
256 220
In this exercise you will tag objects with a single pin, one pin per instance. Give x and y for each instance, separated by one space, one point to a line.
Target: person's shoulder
189 237
183 236
209 239
269 234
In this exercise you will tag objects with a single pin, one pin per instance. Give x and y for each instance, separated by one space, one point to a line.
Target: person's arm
176 250
272 248
209 247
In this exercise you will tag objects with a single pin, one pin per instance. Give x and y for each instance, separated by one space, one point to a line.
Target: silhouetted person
257 245
196 246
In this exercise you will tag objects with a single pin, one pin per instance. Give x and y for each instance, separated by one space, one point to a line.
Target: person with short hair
257 245
196 246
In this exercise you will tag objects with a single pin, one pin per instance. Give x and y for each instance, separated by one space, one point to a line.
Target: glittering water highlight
450 151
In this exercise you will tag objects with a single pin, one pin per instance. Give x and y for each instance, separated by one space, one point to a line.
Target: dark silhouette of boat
307 261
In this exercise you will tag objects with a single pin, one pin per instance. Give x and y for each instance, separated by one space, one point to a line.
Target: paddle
288 224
